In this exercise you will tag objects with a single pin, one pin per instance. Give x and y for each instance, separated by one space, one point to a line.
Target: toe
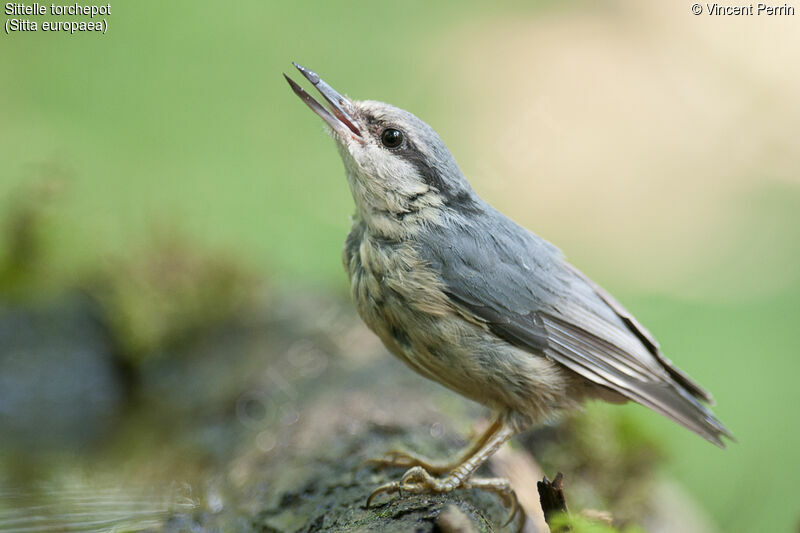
415 474
388 488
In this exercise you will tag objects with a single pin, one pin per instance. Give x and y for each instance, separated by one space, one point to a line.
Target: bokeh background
658 149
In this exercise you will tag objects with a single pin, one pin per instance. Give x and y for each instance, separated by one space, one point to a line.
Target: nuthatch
468 298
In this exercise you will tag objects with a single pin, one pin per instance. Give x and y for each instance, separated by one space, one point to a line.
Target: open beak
339 118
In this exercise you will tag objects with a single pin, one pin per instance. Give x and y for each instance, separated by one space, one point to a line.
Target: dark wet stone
60 385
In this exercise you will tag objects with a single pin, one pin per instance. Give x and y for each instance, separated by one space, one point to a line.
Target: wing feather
527 294
648 340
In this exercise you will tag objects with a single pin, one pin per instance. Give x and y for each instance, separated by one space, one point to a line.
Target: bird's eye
392 138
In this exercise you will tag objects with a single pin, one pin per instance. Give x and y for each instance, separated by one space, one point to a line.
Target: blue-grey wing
528 295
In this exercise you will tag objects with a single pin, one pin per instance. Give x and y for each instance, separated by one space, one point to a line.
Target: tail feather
674 402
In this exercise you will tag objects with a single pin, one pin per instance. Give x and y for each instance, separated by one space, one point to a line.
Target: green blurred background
660 150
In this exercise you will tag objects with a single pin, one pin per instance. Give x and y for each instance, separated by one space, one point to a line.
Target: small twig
551 496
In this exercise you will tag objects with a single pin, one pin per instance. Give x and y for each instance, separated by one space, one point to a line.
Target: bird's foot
418 480
400 458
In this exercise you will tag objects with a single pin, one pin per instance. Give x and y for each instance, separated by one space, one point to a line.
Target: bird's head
398 168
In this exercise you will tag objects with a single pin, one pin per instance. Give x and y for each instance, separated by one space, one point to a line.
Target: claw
394 486
511 500
514 510
502 488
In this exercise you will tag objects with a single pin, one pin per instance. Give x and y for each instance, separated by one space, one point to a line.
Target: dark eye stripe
428 173
431 176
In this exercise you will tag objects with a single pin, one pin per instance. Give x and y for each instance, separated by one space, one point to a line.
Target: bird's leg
418 480
400 458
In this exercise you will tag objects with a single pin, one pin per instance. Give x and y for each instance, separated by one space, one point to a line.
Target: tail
678 404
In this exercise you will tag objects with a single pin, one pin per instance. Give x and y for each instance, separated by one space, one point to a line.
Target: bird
468 298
